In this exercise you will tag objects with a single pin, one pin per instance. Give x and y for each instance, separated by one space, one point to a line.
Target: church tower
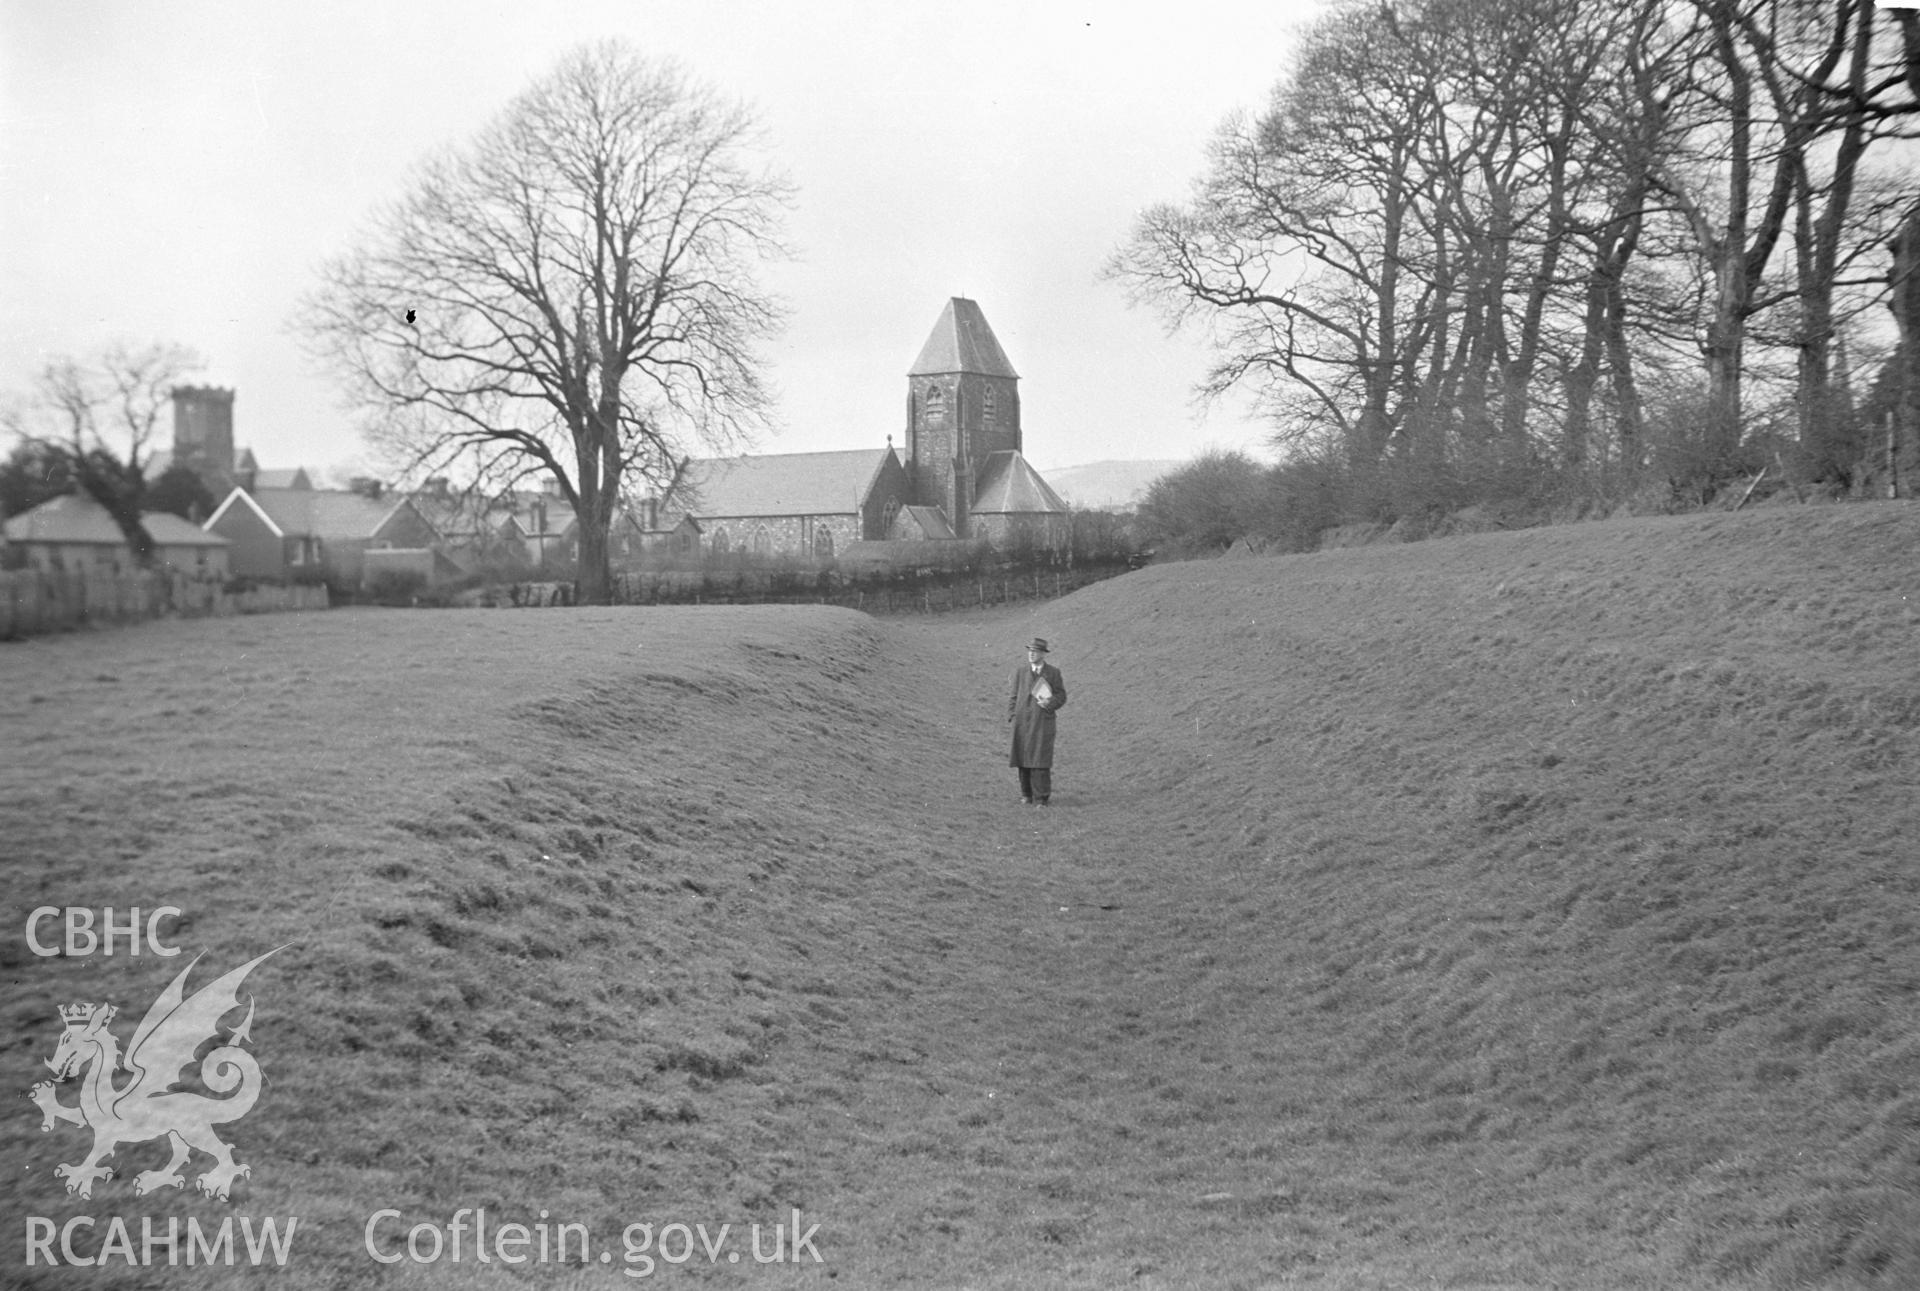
963 403
203 434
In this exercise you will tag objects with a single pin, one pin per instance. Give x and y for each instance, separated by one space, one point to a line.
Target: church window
762 541
936 405
823 543
888 516
987 407
720 541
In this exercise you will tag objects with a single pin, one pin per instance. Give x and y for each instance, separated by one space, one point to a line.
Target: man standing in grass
1038 693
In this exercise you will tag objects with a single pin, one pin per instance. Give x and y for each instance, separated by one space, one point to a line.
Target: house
319 533
74 532
540 524
466 523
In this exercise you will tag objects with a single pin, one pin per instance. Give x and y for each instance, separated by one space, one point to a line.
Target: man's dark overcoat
1032 724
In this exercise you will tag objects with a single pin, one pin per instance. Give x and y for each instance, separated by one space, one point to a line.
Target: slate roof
1009 486
931 521
780 484
962 342
539 514
77 518
294 479
323 513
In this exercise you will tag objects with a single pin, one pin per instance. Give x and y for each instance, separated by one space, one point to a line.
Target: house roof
1009 486
780 484
962 342
538 514
455 513
323 513
77 518
296 478
169 530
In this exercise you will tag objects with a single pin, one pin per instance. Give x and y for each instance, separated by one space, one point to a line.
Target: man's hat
1040 644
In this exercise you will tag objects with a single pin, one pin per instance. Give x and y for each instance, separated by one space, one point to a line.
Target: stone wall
792 537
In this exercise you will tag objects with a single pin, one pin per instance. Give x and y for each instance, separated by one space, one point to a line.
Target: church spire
962 342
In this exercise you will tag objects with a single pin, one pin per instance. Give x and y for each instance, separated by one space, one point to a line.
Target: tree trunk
121 490
593 581
1906 313
1827 442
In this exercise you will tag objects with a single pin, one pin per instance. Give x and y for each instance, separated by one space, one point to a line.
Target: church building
963 476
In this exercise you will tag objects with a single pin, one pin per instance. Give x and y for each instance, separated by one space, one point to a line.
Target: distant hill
1107 484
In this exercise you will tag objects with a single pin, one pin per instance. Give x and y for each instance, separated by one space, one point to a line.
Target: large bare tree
571 296
99 417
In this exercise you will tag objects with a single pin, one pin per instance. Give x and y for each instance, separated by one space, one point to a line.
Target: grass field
1520 911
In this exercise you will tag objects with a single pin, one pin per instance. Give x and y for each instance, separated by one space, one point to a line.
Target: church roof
962 342
930 521
781 484
1009 486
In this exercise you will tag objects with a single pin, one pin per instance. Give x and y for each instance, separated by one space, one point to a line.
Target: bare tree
572 296
100 417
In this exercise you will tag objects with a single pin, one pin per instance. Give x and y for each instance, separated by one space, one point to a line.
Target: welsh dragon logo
147 1106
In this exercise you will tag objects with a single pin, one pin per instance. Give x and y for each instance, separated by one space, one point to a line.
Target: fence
34 601
928 593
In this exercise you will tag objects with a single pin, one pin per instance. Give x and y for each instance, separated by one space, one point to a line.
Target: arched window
986 407
936 406
720 542
823 543
888 515
762 541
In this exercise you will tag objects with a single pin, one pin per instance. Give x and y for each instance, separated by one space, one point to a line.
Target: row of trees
1471 241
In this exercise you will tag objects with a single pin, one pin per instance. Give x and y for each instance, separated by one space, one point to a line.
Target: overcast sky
175 171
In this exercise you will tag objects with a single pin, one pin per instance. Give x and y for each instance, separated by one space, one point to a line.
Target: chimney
366 486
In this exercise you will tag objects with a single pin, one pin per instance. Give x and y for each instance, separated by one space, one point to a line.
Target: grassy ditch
1512 910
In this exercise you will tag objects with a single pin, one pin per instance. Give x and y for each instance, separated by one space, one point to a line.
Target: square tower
203 433
963 403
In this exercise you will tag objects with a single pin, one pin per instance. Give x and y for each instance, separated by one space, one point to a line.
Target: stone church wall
791 537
